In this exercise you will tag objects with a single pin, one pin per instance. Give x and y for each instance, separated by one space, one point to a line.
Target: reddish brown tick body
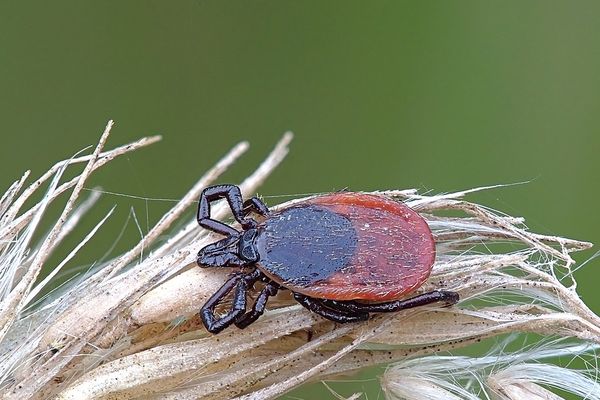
347 246
343 256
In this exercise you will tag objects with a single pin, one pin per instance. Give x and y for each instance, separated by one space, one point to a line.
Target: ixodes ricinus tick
343 256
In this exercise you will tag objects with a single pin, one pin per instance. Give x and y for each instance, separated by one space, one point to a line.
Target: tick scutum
301 245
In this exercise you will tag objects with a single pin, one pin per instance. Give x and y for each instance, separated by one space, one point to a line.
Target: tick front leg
335 315
258 308
240 282
234 198
254 204
233 195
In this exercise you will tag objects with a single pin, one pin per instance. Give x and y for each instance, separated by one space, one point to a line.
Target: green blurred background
437 96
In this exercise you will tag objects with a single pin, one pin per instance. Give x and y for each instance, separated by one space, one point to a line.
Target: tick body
343 256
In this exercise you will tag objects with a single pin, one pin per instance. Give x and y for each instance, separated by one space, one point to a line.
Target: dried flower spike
130 328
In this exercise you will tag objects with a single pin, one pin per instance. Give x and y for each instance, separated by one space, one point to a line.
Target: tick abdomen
347 247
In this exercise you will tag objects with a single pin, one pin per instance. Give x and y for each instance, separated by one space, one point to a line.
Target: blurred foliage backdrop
431 95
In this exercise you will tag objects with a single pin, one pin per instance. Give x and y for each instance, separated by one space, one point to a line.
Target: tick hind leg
443 296
258 308
239 282
331 313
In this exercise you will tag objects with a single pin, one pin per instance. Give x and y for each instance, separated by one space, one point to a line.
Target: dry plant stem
109 336
546 324
175 285
365 358
492 220
165 222
568 295
7 198
419 199
358 359
325 365
505 260
76 216
248 187
79 185
88 319
500 371
9 231
368 358
588 324
162 303
293 362
521 390
192 287
32 217
36 290
281 150
191 196
166 366
14 303
463 324
154 335
73 220
263 370
445 202
522 381
103 158
282 387
467 237
81 325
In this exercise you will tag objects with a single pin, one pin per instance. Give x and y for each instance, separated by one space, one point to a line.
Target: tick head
235 250
220 254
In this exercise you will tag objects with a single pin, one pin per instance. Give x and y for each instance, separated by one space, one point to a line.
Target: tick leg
254 204
240 282
217 226
444 296
233 195
335 315
258 308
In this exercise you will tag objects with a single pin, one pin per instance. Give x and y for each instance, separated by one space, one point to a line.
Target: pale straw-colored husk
129 328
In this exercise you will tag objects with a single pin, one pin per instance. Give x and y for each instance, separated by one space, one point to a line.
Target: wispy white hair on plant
129 328
522 374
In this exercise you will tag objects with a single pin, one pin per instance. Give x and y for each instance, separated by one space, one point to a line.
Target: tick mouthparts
216 251
247 246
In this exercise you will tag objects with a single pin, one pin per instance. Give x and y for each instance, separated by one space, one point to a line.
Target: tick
342 255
